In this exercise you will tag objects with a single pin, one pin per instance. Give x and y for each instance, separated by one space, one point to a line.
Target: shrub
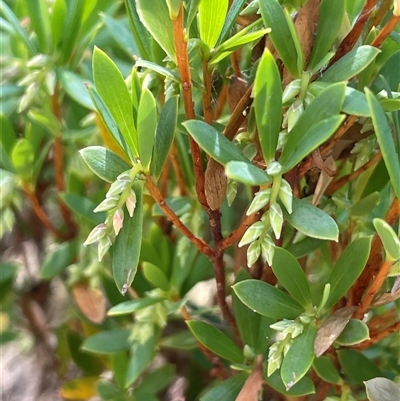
256 143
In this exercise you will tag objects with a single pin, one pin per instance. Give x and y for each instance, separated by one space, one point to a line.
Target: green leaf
182 340
58 16
355 103
290 274
155 17
121 35
140 33
55 262
146 126
300 356
214 143
75 87
314 125
141 355
268 104
227 390
111 87
253 328
390 104
13 20
108 342
165 133
128 307
127 244
329 21
211 20
283 36
312 221
159 69
155 276
385 140
365 205
23 158
104 163
216 341
389 239
83 207
326 370
267 300
109 121
303 387
357 366
246 173
7 271
230 19
348 268
350 64
355 332
156 380
382 389
39 18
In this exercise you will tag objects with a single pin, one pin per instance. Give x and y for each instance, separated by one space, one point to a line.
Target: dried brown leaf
215 184
252 386
91 302
331 329
386 298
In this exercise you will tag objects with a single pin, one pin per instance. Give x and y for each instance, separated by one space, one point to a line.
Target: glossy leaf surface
268 104
216 341
267 300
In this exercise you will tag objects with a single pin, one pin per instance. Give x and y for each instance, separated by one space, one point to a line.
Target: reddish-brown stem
349 41
37 208
184 71
236 234
219 271
309 162
207 107
375 257
201 245
386 30
380 12
177 169
220 102
235 64
378 336
351 177
373 289
239 114
58 159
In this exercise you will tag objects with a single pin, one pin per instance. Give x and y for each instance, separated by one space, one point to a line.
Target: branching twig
236 234
37 208
238 115
351 177
349 41
375 257
201 245
373 289
184 71
378 336
386 30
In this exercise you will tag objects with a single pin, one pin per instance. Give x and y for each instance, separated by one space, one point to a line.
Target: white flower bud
31 93
276 219
305 319
124 177
267 249
231 191
274 168
259 201
103 247
286 348
131 203
253 253
117 187
38 61
294 329
396 8
294 113
107 204
286 195
281 325
252 233
50 82
118 220
96 234
291 90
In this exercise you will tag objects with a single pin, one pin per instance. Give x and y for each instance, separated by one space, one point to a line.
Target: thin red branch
378 336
